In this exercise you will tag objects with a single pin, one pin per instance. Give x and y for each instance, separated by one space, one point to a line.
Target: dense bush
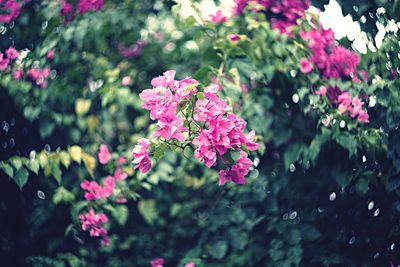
315 184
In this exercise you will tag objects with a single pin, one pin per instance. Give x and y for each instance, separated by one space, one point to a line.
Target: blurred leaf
147 208
21 177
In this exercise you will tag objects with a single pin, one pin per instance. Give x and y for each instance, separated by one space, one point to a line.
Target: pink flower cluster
353 106
104 154
94 223
332 60
132 51
159 262
10 10
141 156
214 131
95 191
285 12
84 6
11 54
40 76
163 101
218 17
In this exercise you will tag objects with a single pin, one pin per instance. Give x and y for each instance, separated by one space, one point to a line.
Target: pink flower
119 174
132 51
218 18
157 262
50 54
352 106
18 74
190 264
67 11
363 116
4 62
121 160
11 53
12 10
121 200
305 65
322 91
94 223
85 6
237 172
95 191
141 157
104 154
39 76
126 81
234 37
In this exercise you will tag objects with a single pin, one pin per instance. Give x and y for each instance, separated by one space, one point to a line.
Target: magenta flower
4 62
18 74
50 54
94 191
237 172
234 37
104 154
85 6
322 91
119 174
305 65
218 18
190 264
67 11
94 223
157 262
39 76
347 104
121 160
12 10
11 53
141 157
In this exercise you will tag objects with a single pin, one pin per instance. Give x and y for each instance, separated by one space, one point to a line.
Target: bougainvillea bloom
10 10
352 106
11 53
218 18
217 131
322 91
85 6
94 223
127 80
104 154
119 174
132 51
157 262
332 60
190 264
141 157
18 74
95 191
4 62
39 76
67 11
237 172
305 65
50 54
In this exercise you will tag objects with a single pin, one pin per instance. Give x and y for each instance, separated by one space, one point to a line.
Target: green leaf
17 162
362 186
235 154
292 154
159 150
21 177
55 170
348 142
33 165
121 214
147 208
218 249
63 195
7 168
